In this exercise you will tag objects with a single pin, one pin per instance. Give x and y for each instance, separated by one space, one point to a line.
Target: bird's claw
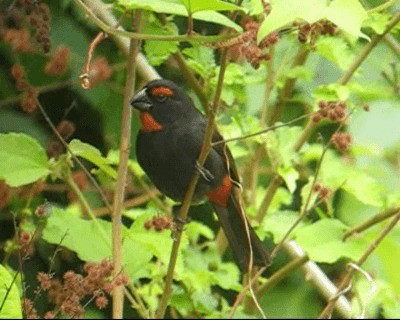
207 175
177 226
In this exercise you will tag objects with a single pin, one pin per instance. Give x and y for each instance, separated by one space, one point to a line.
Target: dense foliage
309 108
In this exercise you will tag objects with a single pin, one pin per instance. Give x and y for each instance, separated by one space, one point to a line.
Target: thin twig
370 222
80 164
190 191
141 36
119 194
347 278
318 278
100 9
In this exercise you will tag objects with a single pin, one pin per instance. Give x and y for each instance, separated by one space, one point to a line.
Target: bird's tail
241 236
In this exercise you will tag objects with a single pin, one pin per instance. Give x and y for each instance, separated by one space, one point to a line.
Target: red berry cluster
29 103
246 44
68 293
341 141
158 223
323 192
99 71
19 14
81 181
39 18
334 111
58 64
311 32
25 242
55 147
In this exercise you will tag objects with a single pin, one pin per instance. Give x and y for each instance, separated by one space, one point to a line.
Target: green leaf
79 235
331 92
323 241
90 153
348 15
278 223
12 305
215 5
336 50
22 159
377 21
176 8
201 59
159 51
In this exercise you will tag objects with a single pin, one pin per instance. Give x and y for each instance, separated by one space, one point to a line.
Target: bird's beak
140 101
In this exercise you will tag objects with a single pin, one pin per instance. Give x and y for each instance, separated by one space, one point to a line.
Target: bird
168 145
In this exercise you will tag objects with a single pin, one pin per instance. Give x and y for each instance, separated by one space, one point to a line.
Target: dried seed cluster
341 141
68 293
159 223
310 32
334 111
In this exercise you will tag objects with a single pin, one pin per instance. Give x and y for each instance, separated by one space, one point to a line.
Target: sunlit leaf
22 159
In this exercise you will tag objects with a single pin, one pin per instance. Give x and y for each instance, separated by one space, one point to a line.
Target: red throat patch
220 195
149 123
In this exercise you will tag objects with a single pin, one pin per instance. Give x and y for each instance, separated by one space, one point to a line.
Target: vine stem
190 190
138 36
99 10
119 194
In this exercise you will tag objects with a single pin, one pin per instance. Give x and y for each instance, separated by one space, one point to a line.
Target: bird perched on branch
168 146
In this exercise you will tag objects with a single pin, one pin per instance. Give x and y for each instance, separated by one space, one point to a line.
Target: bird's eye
161 97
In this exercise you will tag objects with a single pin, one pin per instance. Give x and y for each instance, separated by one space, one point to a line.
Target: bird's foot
207 175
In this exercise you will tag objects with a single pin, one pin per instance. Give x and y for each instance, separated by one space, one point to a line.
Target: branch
191 188
347 278
370 222
314 274
119 195
97 7
142 36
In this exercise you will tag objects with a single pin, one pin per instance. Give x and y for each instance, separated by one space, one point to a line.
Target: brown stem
119 195
325 314
281 274
370 222
287 90
269 194
392 44
191 79
130 203
190 190
367 49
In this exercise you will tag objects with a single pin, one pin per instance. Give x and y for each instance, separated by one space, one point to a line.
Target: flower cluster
341 141
334 111
59 62
246 44
311 32
68 293
29 102
323 192
158 223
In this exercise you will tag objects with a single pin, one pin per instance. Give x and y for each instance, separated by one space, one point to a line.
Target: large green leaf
93 155
12 305
22 159
215 5
176 8
323 241
348 15
79 235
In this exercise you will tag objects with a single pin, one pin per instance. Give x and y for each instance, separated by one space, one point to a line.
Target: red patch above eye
158 91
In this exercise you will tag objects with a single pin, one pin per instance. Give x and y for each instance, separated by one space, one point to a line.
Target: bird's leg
178 223
207 175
